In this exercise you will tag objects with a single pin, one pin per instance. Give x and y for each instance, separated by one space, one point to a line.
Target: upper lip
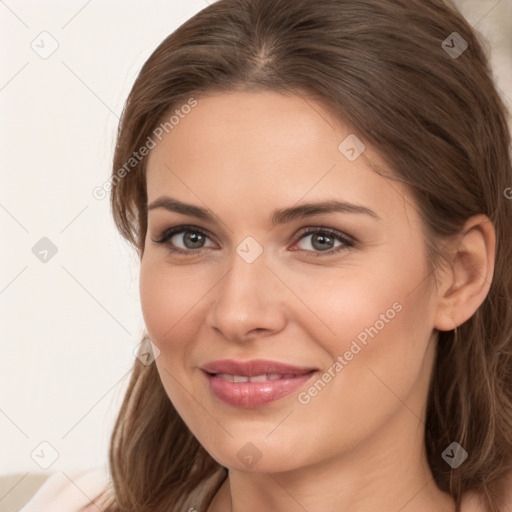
254 367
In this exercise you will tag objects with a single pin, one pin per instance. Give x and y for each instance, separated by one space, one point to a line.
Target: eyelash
347 242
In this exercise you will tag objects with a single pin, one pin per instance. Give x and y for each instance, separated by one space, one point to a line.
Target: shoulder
68 491
74 491
197 500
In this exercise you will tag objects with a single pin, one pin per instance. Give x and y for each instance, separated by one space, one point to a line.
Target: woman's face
351 305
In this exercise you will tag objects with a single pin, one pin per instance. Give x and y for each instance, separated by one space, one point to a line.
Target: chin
258 456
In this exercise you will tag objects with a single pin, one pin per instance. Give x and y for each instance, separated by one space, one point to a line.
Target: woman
318 193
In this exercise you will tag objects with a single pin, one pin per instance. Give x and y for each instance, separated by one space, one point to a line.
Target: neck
366 478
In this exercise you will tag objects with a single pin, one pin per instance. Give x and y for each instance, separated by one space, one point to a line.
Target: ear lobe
466 284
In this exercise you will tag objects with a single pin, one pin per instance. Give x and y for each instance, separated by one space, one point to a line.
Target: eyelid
168 233
325 229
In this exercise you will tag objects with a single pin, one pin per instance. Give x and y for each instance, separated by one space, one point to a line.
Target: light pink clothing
69 491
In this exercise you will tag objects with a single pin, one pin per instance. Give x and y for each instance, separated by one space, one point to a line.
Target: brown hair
438 122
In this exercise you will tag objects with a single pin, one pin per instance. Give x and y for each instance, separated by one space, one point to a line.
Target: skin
242 155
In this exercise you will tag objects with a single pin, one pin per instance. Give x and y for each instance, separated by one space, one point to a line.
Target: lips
254 367
258 378
254 383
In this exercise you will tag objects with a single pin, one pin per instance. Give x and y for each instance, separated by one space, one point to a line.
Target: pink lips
254 383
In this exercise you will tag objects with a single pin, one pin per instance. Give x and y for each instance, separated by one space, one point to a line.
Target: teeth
259 378
256 378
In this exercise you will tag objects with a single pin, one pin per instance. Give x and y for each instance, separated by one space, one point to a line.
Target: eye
191 238
323 241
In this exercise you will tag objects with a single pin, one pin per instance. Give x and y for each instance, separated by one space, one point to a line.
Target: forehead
252 129
263 149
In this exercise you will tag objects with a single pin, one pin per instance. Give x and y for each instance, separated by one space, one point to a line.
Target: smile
254 383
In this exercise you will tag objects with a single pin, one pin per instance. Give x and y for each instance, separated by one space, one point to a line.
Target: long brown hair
390 70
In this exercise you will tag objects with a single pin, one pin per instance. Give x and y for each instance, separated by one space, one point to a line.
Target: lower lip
254 394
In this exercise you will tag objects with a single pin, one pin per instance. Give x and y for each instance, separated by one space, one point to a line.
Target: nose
249 302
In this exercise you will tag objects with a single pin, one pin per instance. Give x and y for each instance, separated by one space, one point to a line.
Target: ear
465 285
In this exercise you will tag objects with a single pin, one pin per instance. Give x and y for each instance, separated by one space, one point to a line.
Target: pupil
193 238
322 239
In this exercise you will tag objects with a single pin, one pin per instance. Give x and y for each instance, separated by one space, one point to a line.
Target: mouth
256 378
254 383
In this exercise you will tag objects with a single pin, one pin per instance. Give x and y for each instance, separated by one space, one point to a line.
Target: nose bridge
247 297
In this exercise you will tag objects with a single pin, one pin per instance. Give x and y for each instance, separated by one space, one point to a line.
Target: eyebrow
280 216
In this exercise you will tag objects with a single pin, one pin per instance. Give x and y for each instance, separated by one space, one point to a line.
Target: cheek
350 305
380 319
381 344
167 301
154 297
168 298
378 364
